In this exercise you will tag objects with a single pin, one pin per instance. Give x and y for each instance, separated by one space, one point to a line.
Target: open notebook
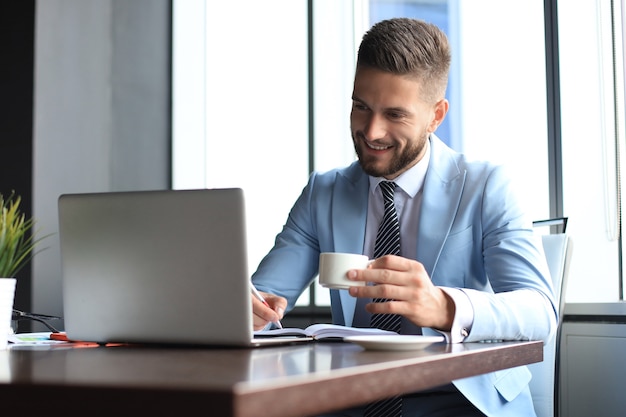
323 331
157 267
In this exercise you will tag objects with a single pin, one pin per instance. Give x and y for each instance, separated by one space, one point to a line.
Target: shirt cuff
463 316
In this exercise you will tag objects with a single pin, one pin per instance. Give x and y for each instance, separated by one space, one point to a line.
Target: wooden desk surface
296 380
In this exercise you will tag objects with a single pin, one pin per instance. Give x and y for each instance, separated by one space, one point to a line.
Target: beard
399 161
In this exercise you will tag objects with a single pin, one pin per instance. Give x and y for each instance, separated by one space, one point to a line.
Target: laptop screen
156 267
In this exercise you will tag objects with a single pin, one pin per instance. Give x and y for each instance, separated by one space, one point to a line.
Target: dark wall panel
17 23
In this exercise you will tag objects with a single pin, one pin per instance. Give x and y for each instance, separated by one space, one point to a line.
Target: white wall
101 118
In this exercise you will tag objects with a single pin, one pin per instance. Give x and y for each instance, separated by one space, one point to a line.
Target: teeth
378 148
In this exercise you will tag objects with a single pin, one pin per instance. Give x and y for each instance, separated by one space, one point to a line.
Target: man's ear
441 109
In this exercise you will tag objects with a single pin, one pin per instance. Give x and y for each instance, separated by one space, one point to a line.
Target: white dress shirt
408 201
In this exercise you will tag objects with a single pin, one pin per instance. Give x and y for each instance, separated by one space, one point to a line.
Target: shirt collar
411 181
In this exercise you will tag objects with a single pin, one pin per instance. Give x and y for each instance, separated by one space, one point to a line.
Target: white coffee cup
334 267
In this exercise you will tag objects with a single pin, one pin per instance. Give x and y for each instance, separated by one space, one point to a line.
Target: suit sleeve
521 305
293 262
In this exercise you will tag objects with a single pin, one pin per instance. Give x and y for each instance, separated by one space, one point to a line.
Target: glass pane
497 87
589 171
254 96
620 90
335 25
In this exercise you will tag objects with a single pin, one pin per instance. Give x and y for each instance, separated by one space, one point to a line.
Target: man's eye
395 115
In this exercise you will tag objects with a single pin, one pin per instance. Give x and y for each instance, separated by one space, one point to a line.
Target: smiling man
464 260
391 122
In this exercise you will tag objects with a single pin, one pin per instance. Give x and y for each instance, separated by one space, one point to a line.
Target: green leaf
17 239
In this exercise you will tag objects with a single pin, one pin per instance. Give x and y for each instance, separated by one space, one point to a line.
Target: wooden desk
278 381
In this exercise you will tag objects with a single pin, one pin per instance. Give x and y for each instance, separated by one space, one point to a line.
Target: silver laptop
156 267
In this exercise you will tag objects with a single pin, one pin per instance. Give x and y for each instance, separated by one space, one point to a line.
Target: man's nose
375 127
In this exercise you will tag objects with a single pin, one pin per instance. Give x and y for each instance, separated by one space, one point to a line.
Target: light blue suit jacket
473 235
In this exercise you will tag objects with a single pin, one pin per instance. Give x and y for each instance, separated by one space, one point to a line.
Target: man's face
390 121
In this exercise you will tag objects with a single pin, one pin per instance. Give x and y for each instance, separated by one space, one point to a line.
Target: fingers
272 312
426 307
407 286
389 277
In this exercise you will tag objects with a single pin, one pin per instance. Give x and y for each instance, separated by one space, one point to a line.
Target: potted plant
17 244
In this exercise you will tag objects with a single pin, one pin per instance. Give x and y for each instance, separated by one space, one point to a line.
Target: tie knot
387 188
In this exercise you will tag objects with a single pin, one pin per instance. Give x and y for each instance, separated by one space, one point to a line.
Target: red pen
259 297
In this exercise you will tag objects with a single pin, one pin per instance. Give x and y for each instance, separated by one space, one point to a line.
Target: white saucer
395 342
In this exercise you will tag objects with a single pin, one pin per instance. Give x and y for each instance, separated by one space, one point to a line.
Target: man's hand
407 284
262 315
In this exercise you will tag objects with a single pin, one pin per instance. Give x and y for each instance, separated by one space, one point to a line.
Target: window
483 121
592 112
487 120
242 111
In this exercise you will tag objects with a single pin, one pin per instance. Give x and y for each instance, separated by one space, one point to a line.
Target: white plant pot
7 294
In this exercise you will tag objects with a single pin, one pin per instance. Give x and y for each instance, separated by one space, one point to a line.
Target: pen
259 297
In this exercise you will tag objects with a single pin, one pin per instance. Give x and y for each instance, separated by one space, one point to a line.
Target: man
469 265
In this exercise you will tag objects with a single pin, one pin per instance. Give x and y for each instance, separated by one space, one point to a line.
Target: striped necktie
387 243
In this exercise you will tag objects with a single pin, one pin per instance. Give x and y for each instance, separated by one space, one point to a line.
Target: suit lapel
442 192
349 210
349 214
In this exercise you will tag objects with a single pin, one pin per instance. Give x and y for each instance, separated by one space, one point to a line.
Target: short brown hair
409 47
